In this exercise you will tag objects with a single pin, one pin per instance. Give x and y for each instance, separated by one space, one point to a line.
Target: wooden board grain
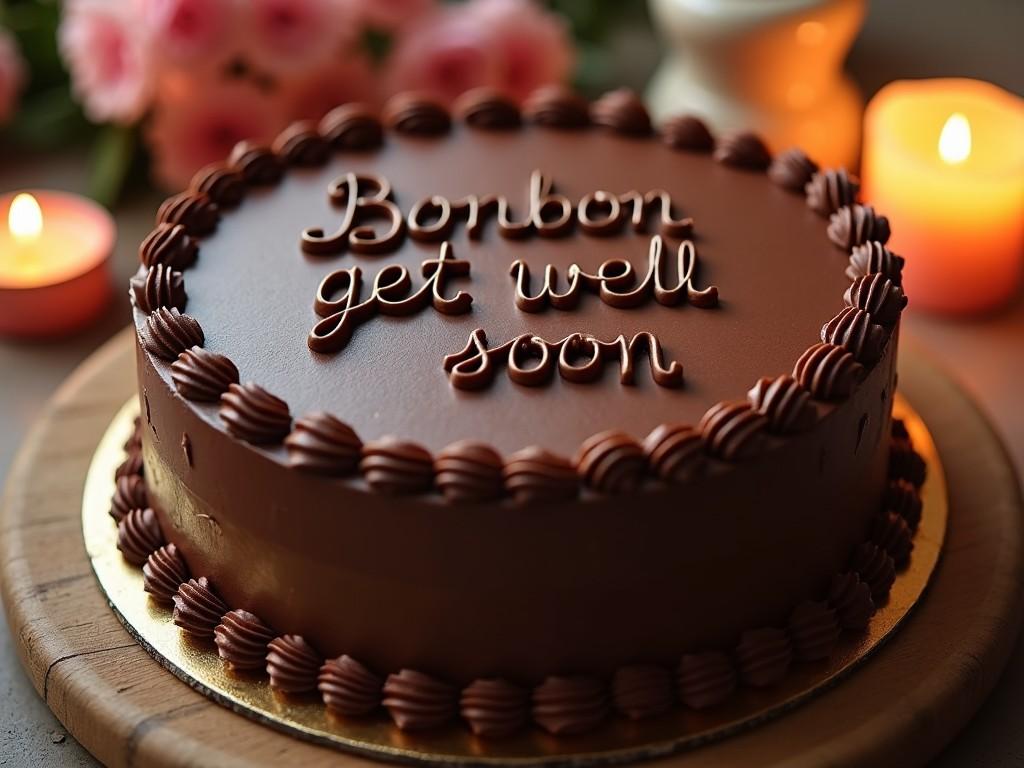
901 708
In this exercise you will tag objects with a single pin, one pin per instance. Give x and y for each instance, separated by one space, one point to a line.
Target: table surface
986 355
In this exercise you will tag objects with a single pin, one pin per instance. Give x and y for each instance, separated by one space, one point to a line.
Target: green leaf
593 69
47 119
112 161
34 25
377 44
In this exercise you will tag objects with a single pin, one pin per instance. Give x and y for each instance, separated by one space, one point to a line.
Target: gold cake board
899 707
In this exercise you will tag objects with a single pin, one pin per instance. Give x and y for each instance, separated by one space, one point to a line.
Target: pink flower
188 30
389 15
533 46
313 95
291 35
444 55
199 123
12 75
107 53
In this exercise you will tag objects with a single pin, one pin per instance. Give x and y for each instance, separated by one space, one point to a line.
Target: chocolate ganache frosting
545 415
743 339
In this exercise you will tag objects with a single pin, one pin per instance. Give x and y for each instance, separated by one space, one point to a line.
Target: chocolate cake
517 417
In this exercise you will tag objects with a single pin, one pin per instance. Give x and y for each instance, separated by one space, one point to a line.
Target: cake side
467 591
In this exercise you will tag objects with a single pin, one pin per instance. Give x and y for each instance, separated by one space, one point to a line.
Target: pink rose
313 95
188 30
389 15
444 55
106 52
533 46
12 75
292 35
198 123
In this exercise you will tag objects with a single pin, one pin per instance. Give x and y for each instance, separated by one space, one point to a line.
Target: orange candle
944 160
55 251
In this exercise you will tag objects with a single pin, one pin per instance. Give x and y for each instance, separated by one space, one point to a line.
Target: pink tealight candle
944 160
55 251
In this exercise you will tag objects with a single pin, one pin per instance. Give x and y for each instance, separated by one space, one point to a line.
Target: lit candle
944 160
55 250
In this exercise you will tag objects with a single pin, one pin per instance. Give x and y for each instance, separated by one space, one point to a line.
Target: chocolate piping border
584 702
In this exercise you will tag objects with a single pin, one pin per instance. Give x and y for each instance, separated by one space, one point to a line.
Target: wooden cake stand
900 708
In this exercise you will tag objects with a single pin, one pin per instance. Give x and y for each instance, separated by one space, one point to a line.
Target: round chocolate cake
523 415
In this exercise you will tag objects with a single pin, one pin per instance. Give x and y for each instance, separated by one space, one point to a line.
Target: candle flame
25 219
955 139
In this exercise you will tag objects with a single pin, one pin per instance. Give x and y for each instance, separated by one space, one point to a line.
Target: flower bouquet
176 83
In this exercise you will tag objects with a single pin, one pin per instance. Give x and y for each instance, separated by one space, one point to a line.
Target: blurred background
122 101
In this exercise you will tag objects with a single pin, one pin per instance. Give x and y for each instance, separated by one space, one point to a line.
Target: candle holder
774 67
55 251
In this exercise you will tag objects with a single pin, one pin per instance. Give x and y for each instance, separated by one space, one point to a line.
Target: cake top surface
395 329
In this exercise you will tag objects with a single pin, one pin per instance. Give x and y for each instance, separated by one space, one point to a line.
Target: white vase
773 66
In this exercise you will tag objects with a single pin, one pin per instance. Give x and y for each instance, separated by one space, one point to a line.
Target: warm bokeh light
800 95
955 139
25 219
811 33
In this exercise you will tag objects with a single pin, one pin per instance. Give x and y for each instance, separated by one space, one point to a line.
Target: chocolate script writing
339 297
579 357
372 223
615 282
